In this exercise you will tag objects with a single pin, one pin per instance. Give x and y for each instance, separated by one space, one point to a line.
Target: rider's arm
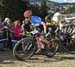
57 29
44 26
22 28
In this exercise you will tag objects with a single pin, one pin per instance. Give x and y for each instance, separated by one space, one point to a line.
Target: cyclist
2 36
35 21
55 23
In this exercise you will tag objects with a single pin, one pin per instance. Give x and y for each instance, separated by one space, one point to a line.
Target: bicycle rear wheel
24 49
52 49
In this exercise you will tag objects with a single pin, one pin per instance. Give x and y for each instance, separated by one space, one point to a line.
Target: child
17 30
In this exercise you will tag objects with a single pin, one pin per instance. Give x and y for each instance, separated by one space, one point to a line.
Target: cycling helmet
48 18
27 13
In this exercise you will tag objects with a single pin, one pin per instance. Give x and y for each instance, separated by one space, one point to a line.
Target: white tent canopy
67 20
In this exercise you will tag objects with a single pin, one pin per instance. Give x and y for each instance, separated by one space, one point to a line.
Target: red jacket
17 31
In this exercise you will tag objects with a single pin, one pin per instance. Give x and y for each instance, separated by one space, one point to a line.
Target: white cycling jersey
57 18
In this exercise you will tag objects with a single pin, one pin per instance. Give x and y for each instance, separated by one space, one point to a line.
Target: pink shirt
17 31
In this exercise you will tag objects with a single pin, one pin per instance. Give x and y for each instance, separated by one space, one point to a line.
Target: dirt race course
59 60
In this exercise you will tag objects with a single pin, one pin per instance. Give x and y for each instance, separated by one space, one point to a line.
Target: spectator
17 30
1 34
7 27
1 28
7 23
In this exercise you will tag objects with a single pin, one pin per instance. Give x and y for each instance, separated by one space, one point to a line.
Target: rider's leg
42 39
38 43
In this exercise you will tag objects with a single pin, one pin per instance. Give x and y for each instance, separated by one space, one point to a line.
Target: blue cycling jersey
36 20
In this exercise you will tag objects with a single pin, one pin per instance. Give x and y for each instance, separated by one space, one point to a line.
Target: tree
1 3
43 10
14 8
70 9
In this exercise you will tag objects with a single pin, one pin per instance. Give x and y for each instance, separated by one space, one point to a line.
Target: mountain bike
27 47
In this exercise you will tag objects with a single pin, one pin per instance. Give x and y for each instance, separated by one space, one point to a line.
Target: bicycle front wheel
24 49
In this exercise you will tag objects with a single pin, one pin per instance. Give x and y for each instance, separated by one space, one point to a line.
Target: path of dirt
59 60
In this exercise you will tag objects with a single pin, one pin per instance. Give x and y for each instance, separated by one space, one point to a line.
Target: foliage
14 9
44 10
70 9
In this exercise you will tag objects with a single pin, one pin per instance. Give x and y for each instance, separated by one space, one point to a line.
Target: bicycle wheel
52 49
24 49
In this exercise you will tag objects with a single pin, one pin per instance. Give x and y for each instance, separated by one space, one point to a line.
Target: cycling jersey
27 27
52 23
35 20
57 17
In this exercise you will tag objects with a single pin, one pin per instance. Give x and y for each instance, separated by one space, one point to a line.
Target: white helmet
6 19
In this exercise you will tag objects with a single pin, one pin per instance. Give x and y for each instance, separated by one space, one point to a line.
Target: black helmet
47 18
